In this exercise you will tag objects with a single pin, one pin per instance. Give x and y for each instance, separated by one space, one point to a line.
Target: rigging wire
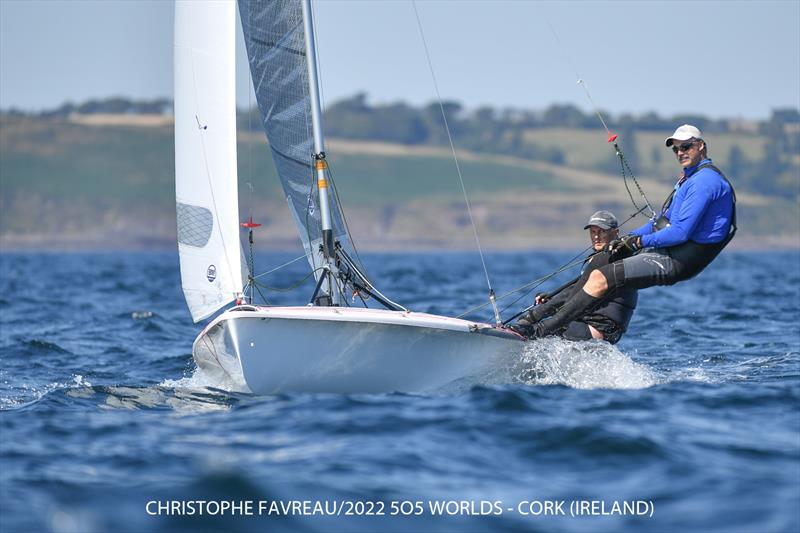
250 143
304 256
455 158
292 286
251 263
532 285
576 260
580 80
612 138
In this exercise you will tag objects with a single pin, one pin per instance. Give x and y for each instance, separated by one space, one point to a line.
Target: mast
320 165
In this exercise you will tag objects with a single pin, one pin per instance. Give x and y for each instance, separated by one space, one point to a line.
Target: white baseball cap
684 133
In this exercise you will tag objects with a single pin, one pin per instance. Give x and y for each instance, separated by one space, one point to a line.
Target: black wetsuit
611 318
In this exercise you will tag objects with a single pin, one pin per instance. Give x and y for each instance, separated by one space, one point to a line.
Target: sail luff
206 186
275 38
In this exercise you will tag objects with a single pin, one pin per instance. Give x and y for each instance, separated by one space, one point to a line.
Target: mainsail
275 42
205 155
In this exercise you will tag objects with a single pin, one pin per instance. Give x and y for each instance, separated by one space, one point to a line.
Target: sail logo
211 273
311 205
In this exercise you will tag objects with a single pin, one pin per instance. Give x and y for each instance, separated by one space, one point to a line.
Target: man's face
600 237
689 153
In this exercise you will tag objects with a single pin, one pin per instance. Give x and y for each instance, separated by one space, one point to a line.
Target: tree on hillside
434 122
564 115
737 164
399 123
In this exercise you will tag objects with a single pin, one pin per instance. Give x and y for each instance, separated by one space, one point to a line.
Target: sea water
690 423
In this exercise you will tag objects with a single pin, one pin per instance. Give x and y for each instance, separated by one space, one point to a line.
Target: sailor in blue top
697 221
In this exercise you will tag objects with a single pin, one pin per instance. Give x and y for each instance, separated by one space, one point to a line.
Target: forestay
205 155
275 42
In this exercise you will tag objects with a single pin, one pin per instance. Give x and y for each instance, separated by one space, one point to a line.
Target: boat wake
203 378
579 365
582 365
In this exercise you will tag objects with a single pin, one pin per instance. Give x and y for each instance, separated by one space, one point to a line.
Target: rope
252 263
452 148
531 285
624 166
369 284
623 161
344 219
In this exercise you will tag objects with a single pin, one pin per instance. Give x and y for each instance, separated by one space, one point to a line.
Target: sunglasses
685 147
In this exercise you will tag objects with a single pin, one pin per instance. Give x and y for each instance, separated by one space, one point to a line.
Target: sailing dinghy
325 346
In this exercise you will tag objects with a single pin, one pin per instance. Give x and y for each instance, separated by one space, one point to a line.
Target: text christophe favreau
399 508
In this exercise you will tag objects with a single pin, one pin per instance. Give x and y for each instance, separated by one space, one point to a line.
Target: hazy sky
719 58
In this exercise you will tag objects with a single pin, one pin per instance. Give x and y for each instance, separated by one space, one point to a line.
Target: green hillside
68 183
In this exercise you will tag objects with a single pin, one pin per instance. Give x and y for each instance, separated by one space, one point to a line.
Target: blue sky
719 58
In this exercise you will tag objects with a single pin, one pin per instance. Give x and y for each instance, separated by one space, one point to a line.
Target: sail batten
206 186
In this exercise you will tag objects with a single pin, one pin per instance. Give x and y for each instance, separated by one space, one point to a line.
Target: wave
25 395
185 396
42 347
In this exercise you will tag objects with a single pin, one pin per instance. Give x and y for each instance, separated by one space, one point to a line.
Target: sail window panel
195 225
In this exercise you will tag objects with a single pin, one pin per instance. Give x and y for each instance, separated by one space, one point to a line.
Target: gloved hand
630 242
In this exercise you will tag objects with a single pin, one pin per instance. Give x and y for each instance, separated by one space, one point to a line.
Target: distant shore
106 181
35 243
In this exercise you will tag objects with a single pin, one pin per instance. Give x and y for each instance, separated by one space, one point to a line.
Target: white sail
205 154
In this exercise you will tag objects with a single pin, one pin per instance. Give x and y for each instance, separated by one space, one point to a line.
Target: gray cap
602 219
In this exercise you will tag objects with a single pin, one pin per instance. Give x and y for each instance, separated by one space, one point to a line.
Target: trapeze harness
688 258
692 257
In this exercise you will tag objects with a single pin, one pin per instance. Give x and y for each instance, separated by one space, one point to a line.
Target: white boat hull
267 350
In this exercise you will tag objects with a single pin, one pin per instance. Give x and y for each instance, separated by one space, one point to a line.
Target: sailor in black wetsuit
607 322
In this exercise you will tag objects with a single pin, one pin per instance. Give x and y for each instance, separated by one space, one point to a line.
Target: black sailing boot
525 324
576 306
539 312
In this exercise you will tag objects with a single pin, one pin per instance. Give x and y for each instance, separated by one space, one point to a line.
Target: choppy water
696 412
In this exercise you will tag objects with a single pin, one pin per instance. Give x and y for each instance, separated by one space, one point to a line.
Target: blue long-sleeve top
700 211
